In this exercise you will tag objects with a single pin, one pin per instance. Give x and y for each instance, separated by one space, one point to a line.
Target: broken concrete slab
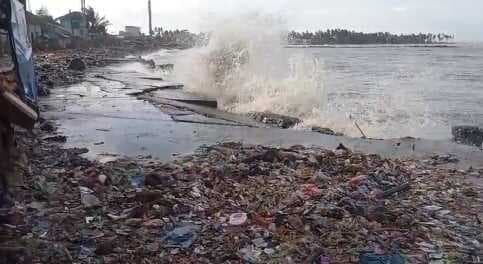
276 120
185 97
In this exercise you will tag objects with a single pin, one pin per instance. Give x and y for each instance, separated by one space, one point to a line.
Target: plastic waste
238 219
182 237
138 179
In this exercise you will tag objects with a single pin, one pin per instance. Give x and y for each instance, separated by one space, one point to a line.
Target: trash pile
235 203
66 67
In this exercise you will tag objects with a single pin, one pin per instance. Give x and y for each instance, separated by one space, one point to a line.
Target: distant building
45 32
35 26
76 23
131 31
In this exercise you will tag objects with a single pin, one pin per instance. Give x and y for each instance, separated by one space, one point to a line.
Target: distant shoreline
449 45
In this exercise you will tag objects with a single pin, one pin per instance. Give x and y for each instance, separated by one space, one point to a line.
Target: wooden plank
16 111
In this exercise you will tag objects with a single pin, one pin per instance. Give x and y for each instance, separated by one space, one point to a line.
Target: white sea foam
246 68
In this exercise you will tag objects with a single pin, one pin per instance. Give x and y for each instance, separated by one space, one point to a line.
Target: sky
459 17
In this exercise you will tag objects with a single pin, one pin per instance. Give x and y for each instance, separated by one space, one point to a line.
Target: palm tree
97 23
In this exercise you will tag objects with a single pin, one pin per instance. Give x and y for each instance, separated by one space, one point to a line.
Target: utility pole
83 6
150 18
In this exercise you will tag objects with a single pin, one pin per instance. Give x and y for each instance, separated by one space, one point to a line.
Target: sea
389 91
399 91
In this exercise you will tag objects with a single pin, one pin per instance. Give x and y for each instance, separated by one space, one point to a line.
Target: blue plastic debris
182 237
137 180
372 258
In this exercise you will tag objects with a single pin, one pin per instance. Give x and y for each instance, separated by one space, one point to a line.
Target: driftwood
360 130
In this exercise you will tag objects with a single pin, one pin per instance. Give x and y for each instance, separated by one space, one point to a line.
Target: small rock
61 139
324 130
341 147
77 64
276 120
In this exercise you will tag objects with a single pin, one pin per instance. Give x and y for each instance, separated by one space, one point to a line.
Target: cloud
399 16
399 9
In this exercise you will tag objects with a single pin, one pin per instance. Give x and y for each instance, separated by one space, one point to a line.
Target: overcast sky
463 18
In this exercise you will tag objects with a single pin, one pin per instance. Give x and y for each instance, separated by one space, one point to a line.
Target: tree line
182 37
343 36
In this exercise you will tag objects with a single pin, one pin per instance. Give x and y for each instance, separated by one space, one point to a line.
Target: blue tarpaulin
23 51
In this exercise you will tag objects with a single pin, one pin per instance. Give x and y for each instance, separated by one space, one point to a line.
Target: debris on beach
77 64
232 203
66 67
275 120
325 131
468 135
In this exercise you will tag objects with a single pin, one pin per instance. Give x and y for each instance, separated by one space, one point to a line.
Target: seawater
390 91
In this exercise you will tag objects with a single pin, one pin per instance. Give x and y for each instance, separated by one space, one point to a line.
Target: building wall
78 27
132 31
35 31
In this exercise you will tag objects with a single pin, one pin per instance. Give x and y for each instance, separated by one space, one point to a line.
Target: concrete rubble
275 120
235 203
